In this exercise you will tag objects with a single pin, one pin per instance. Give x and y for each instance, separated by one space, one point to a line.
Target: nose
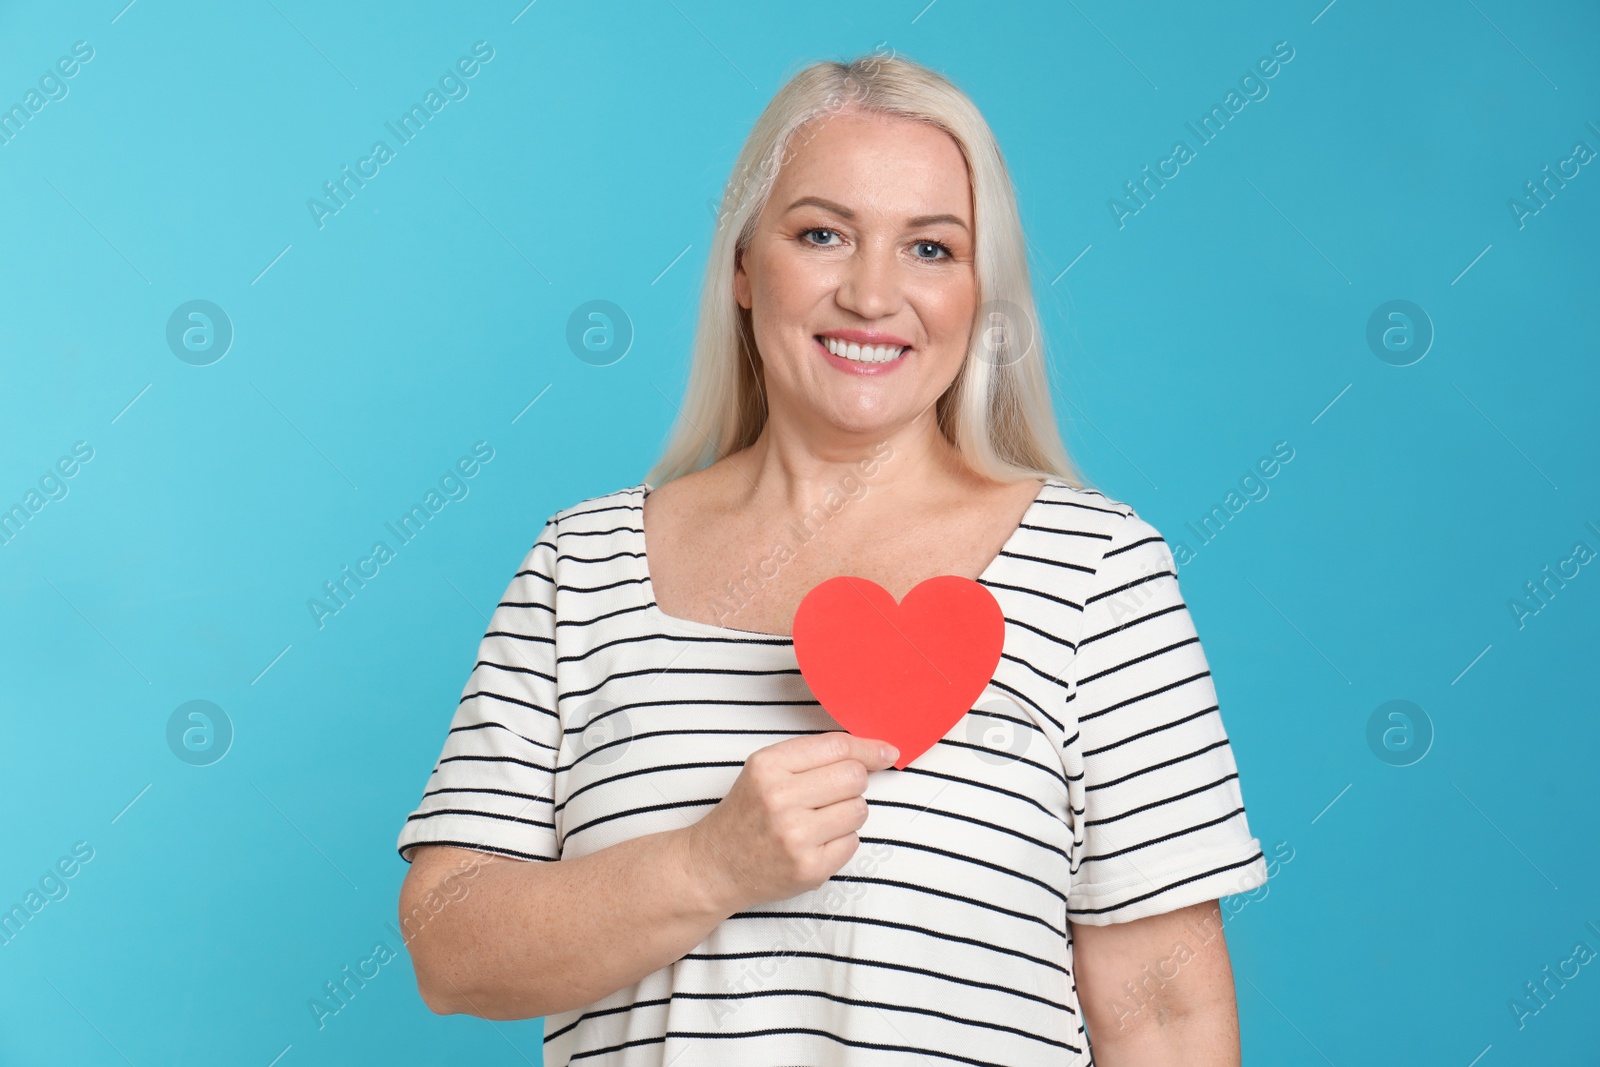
870 283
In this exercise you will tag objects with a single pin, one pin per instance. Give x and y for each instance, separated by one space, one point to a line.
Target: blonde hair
997 412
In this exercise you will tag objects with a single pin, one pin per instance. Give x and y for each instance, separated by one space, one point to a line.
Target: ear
741 281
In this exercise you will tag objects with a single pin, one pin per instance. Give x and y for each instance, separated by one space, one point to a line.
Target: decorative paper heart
903 673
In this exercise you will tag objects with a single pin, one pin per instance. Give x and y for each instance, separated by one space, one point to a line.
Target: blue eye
937 246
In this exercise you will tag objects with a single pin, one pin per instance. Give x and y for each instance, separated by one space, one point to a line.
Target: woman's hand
790 820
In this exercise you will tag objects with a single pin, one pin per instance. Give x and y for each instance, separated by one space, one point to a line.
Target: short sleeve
493 785
1164 823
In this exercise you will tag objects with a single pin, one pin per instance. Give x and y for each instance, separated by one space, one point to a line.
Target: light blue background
1227 315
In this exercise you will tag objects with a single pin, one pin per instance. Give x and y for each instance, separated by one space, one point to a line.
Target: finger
838 820
828 784
836 853
816 750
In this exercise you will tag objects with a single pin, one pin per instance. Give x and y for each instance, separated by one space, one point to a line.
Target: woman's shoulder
1083 503
601 510
604 521
1113 525
616 512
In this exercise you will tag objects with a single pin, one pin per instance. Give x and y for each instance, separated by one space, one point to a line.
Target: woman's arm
515 939
503 938
1158 991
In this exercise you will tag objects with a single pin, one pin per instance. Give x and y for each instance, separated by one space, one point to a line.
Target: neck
795 467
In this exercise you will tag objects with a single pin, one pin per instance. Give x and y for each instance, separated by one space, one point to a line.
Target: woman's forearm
530 939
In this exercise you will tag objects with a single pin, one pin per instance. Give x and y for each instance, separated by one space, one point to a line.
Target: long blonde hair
997 411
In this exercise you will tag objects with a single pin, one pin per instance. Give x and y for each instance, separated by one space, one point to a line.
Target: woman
718 873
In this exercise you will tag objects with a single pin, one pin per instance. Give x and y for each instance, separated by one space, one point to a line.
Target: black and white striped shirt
1092 782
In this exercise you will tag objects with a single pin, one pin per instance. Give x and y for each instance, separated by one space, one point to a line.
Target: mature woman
645 827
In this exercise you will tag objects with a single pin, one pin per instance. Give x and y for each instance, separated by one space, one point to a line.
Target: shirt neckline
694 626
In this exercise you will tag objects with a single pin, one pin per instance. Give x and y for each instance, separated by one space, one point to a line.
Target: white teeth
862 353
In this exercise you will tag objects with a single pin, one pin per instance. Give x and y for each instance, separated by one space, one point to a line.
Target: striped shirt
1092 782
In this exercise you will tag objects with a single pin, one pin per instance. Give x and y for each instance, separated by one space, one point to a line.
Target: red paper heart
903 673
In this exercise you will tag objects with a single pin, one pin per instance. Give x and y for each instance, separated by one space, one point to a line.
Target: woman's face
866 238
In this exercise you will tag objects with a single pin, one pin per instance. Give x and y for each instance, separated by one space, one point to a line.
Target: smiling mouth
862 353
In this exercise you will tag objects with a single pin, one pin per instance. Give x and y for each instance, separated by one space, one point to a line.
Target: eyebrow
845 213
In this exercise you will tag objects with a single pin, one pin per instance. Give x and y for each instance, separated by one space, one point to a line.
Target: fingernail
890 753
